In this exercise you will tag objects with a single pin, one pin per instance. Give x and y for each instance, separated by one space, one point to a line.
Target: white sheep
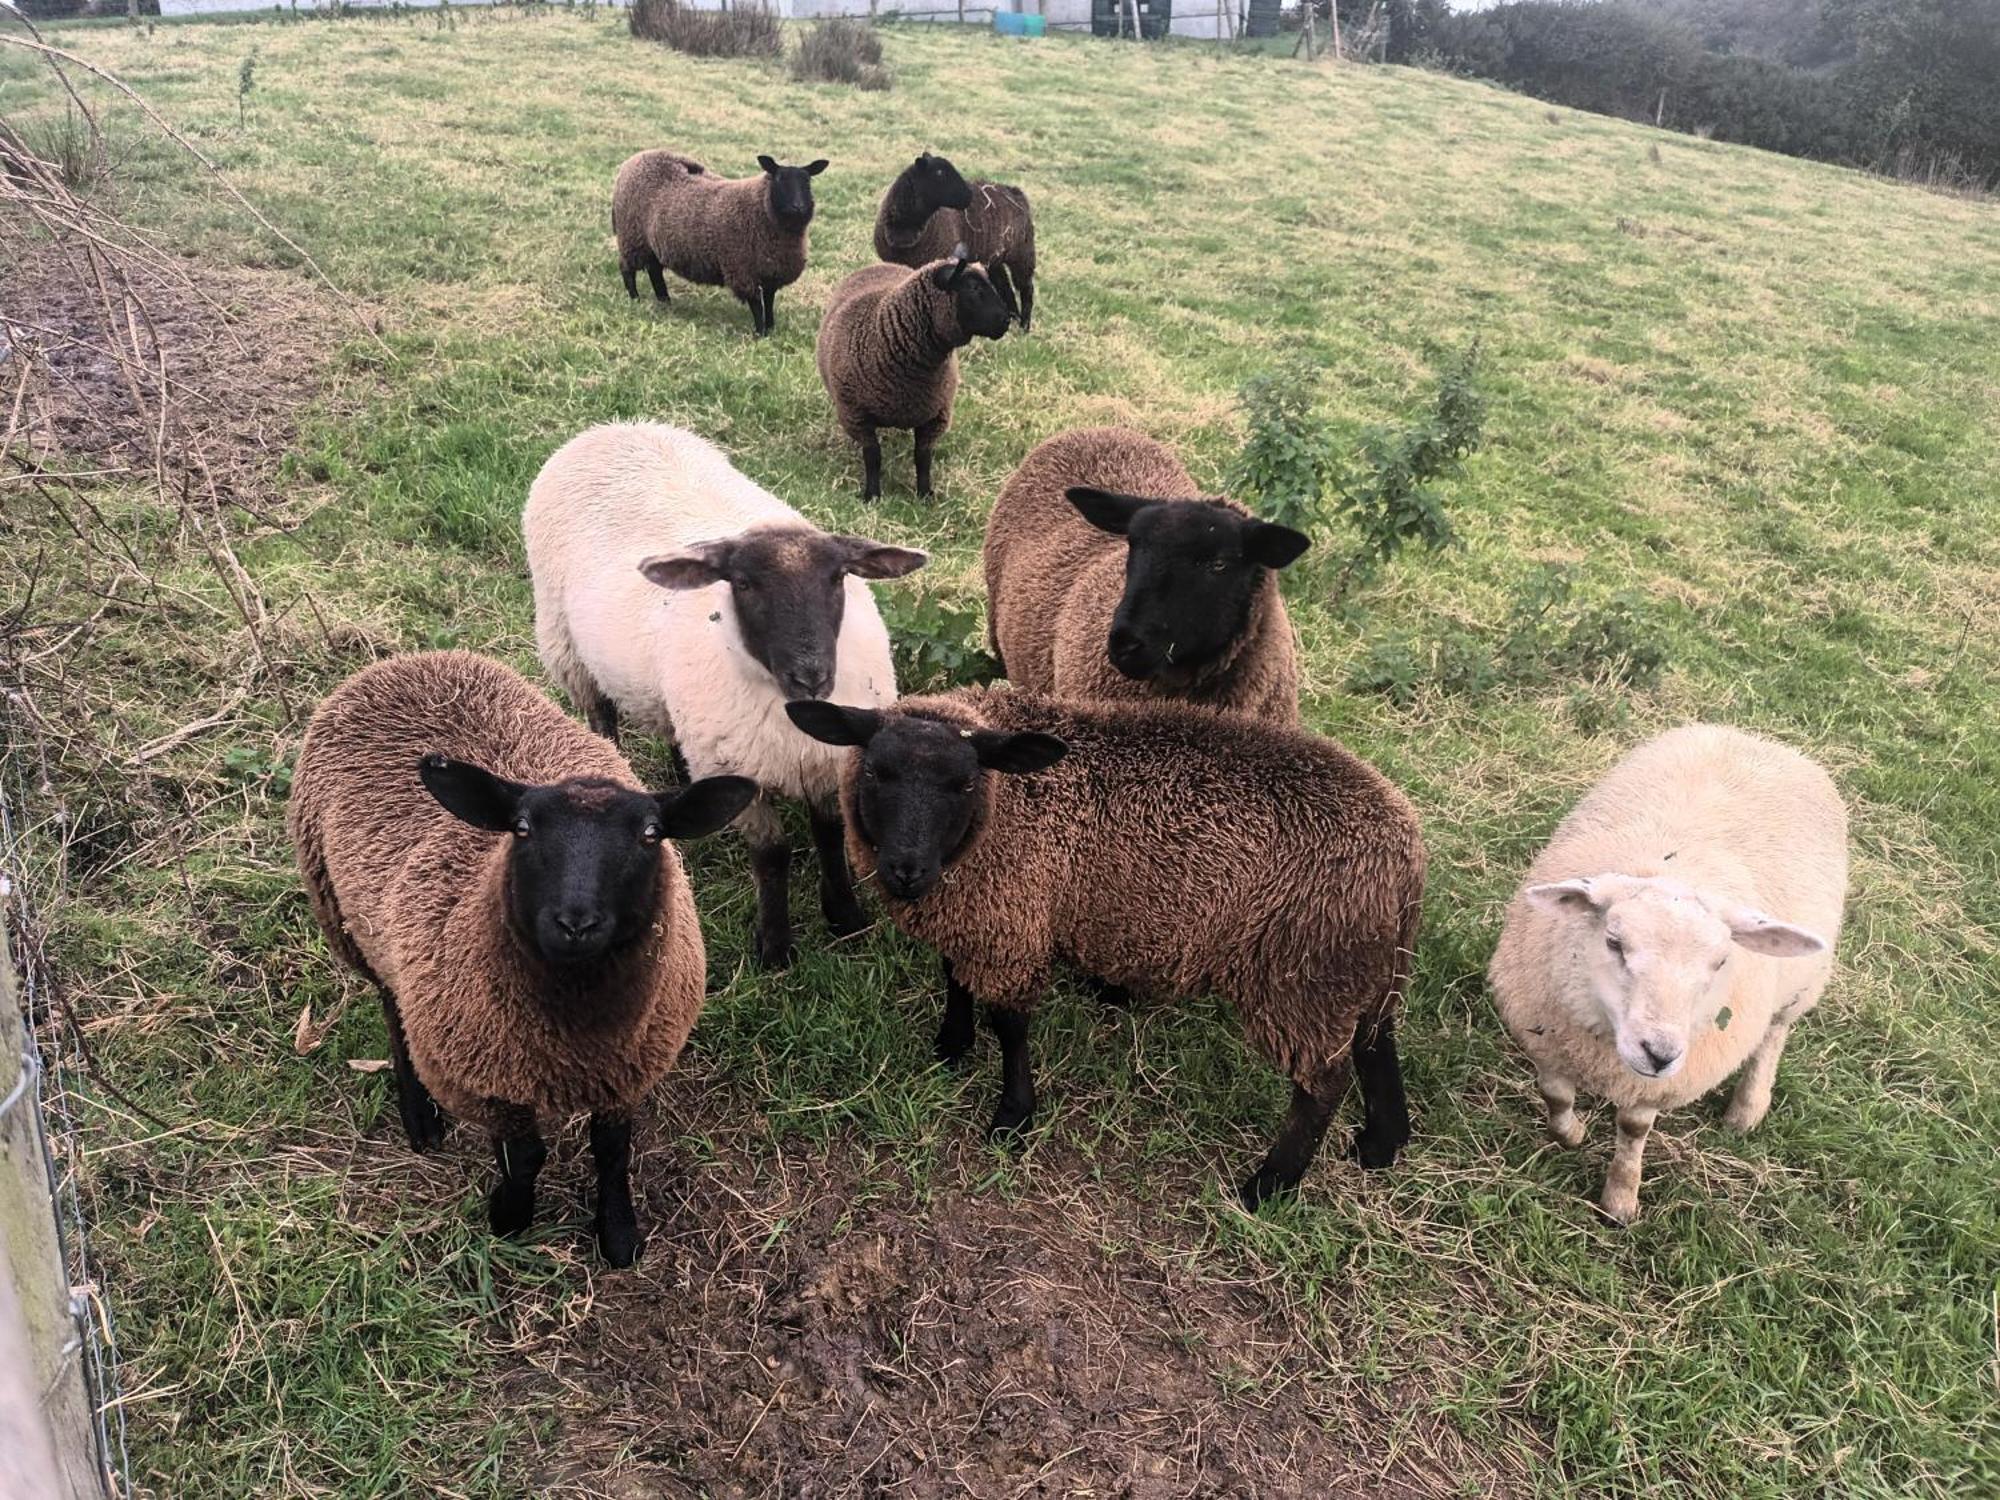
1679 922
761 607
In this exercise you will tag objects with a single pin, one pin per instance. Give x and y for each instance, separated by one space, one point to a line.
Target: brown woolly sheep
745 233
1109 575
887 353
490 865
930 208
1131 856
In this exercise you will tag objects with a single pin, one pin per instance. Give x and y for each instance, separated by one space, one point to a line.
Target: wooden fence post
46 1445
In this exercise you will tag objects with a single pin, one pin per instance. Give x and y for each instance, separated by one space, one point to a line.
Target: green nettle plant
1292 470
246 79
938 642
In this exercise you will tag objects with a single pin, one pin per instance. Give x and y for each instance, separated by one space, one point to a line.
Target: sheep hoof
510 1213
1569 1135
1744 1118
845 921
1010 1123
952 1045
1261 1186
774 954
1620 1208
620 1244
424 1125
1372 1151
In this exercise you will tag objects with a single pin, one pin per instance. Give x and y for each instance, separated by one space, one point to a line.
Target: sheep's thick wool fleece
1737 818
713 231
885 350
996 228
1178 850
412 897
1053 582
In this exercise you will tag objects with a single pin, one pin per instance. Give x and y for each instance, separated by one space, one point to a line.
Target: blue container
1008 23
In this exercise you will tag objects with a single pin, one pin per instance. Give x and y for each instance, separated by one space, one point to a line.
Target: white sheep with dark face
1679 922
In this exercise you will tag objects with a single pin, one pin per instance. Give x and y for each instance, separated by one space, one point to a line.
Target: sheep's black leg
617 1223
1107 993
603 716
658 277
956 1033
1026 281
771 868
423 1122
997 274
926 440
871 466
1017 1072
1298 1138
756 302
629 272
837 903
770 294
679 763
1385 1119
518 1147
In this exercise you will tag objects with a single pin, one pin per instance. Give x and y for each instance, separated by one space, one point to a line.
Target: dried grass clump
841 51
745 31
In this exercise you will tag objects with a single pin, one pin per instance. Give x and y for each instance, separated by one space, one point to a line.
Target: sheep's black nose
1128 652
1660 1057
578 925
904 879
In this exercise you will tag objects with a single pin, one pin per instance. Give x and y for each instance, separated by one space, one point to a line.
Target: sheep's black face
583 868
976 302
1192 571
791 191
788 592
934 183
918 791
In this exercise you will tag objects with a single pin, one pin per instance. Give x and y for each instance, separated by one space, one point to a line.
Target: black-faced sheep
1164 847
759 606
930 208
492 867
745 233
1680 920
1109 575
887 353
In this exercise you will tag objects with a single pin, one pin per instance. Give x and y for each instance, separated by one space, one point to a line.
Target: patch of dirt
235 351
784 1336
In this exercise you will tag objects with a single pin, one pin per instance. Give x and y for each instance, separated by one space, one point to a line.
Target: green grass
1763 393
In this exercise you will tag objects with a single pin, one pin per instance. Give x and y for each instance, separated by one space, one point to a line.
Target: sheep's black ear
944 278
1272 545
814 168
922 158
1104 510
709 804
1017 754
866 559
694 568
470 794
831 724
767 164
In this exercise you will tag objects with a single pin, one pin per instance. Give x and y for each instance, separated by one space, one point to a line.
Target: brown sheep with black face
493 868
1167 848
929 209
670 212
1110 575
888 353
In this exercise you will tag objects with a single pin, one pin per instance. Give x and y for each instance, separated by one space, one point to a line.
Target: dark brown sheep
930 209
745 233
1167 848
1109 575
888 353
491 866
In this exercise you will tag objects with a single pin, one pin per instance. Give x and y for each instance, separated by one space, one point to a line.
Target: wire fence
51 1090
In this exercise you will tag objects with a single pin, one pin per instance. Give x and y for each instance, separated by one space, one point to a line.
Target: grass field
1761 393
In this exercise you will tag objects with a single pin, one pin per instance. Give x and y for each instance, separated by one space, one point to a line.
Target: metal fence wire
51 1086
